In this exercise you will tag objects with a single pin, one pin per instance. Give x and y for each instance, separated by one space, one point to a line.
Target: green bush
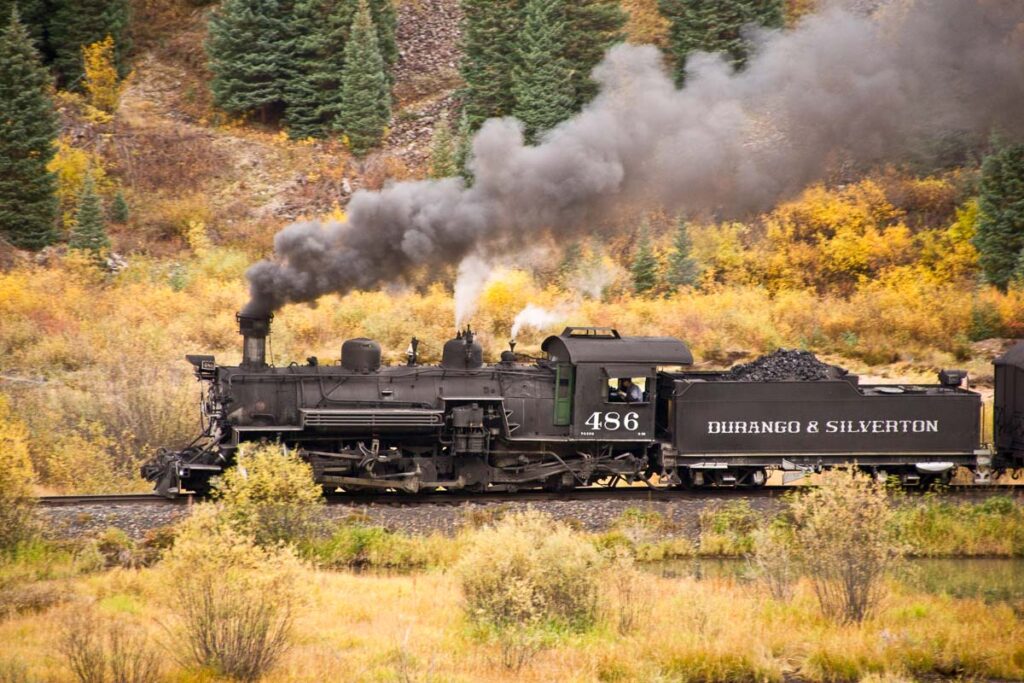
270 495
362 546
233 599
17 504
528 570
727 530
98 650
844 539
937 527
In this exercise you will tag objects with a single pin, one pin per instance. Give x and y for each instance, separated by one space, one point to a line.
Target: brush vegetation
525 598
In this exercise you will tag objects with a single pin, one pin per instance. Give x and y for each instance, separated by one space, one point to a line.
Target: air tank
360 355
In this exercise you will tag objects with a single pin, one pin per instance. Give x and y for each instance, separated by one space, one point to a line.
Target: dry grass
385 628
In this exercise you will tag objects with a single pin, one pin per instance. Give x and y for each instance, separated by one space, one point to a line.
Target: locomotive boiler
598 408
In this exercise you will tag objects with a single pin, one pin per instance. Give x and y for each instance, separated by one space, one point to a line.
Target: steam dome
360 355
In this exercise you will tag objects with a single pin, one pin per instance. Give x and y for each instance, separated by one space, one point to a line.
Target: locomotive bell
462 353
360 355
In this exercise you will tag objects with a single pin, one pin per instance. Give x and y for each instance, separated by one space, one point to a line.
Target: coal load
783 365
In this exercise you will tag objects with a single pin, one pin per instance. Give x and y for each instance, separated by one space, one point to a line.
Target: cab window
627 390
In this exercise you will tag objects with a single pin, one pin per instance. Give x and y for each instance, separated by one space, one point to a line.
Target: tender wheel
756 478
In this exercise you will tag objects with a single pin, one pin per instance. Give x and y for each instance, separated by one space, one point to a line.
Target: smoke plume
838 85
469 285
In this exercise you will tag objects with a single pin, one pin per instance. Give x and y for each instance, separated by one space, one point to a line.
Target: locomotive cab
605 384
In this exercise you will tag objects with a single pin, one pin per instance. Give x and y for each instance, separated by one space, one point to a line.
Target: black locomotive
600 408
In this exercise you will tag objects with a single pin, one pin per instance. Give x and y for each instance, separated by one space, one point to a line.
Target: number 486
613 421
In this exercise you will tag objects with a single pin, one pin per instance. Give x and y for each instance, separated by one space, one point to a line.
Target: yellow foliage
645 24
17 473
198 240
831 239
336 214
72 164
174 216
82 462
100 81
506 293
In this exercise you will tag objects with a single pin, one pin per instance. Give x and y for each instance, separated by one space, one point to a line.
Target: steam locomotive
598 408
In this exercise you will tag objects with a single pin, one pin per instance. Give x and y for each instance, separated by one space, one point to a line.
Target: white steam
472 277
535 317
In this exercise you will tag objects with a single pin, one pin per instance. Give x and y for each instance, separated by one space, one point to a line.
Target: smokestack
254 330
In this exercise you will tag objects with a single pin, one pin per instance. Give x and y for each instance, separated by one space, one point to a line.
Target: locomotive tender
599 408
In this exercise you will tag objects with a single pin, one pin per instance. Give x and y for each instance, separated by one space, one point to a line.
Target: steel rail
636 494
112 499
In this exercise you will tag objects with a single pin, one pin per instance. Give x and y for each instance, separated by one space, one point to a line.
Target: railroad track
625 493
112 499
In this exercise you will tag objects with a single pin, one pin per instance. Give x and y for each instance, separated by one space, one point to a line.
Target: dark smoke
870 89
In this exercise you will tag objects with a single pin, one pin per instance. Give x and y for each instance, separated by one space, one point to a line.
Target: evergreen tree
89 233
542 78
716 26
316 67
365 97
251 51
321 29
593 27
464 148
644 267
34 14
119 208
490 32
386 20
1000 236
76 23
28 130
443 161
682 269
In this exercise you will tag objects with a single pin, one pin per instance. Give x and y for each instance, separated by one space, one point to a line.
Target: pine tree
89 233
74 24
682 269
318 55
593 27
34 15
464 148
644 267
119 208
443 162
385 21
1000 236
251 48
716 26
365 97
321 29
490 31
542 79
28 130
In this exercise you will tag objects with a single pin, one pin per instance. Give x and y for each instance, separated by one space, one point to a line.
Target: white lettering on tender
827 427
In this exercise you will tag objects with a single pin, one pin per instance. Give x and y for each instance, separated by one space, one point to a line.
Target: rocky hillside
187 164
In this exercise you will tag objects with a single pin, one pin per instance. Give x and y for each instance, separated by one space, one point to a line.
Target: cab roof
606 345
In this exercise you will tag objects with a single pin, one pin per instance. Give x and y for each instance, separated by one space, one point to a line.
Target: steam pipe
254 330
